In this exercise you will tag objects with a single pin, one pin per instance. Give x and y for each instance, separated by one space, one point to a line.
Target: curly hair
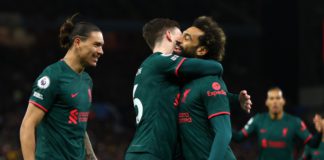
214 38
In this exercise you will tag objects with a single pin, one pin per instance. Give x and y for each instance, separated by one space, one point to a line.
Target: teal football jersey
65 97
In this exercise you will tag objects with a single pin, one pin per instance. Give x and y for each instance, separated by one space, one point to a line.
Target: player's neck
73 62
276 116
163 48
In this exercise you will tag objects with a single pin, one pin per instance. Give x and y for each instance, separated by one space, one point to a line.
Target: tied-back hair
153 30
214 38
70 30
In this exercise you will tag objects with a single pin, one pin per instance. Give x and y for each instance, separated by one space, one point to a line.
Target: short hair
70 30
213 39
153 30
275 88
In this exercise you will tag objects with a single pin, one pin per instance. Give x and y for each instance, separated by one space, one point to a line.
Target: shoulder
163 59
261 116
49 76
292 118
87 77
212 85
209 81
53 69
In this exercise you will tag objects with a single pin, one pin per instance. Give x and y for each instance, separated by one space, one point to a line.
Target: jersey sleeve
222 129
248 129
306 154
250 126
215 98
44 90
189 67
302 131
195 68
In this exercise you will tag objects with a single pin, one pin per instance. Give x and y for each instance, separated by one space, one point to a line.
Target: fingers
318 122
245 100
317 117
243 93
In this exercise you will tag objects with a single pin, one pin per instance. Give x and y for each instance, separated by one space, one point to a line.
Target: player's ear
76 41
283 101
201 51
267 103
168 35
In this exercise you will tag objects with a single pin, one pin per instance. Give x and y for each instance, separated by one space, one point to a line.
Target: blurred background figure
277 130
269 42
314 153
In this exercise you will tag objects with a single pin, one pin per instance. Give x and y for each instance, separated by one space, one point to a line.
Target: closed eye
187 36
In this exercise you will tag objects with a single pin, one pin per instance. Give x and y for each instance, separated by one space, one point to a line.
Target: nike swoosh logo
73 95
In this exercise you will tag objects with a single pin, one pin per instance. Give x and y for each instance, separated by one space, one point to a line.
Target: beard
188 52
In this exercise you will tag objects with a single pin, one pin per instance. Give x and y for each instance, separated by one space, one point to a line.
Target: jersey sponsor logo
284 132
263 130
43 82
83 116
215 93
273 144
175 57
185 94
76 116
184 117
218 91
38 95
139 71
73 95
316 153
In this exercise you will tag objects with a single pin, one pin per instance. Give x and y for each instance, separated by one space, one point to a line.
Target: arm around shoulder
195 68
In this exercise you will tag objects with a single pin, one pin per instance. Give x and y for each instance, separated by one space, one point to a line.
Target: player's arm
27 131
222 127
43 94
306 154
90 154
309 139
195 68
242 100
245 132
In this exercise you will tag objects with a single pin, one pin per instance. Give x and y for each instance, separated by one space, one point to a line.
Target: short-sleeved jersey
65 97
201 100
313 153
276 138
155 89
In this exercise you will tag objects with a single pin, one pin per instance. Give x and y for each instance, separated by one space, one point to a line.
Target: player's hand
245 101
318 122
